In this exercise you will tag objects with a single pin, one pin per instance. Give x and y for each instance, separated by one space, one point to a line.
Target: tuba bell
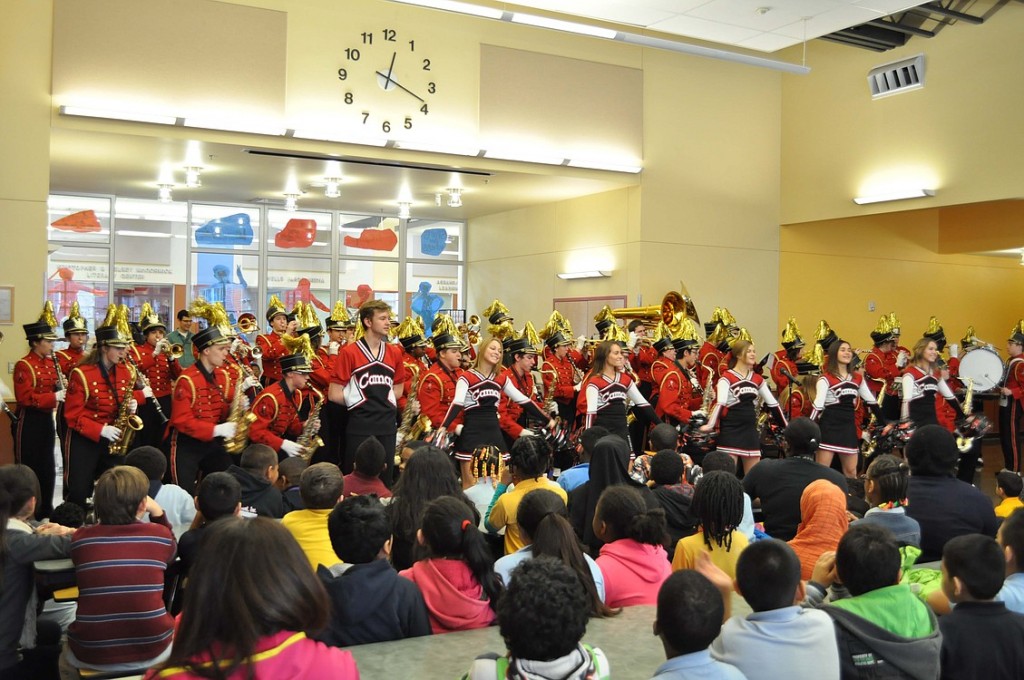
674 308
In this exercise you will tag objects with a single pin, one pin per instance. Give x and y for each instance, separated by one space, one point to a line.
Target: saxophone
409 412
965 440
709 394
126 421
308 439
242 418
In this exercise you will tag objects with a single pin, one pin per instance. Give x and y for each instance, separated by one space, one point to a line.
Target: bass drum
984 366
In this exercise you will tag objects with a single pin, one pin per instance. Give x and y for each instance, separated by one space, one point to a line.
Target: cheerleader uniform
476 398
834 409
737 433
919 390
606 403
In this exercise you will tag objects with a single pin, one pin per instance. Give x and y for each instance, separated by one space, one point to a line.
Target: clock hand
387 78
400 86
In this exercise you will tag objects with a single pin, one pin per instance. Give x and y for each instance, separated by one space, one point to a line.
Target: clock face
387 82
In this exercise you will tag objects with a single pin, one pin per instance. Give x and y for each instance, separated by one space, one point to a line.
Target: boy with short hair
1011 539
289 472
179 507
980 637
689 618
257 473
674 496
542 617
883 624
370 460
780 639
321 486
219 495
369 601
1009 486
661 437
579 474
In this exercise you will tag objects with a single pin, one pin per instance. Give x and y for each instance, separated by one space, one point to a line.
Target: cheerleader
608 387
477 393
920 383
736 392
835 395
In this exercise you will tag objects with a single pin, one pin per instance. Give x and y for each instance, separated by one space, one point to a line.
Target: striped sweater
120 574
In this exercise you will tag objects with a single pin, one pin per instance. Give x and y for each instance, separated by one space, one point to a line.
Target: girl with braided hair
632 559
885 489
718 503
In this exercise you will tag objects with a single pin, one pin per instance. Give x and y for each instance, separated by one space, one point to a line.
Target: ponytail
450 531
554 537
624 511
892 476
477 554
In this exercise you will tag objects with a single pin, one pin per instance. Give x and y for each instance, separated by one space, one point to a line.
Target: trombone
246 325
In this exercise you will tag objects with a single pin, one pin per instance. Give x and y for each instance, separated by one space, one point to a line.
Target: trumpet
174 351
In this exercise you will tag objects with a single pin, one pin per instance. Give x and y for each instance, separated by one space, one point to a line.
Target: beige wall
959 135
25 172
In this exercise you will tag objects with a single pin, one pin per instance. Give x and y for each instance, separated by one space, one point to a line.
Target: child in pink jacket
633 559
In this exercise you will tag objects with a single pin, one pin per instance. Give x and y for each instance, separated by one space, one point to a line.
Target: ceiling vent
897 77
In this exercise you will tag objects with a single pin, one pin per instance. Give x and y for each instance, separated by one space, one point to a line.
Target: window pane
78 275
433 240
149 252
299 232
359 281
229 279
82 219
225 226
430 288
368 236
293 279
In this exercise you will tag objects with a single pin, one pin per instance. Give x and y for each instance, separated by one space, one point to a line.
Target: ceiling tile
744 12
635 14
705 30
887 7
829 22
769 42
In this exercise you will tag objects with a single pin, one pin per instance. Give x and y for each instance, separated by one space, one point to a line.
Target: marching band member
718 331
368 379
736 391
663 364
437 386
477 393
76 332
338 326
154 361
277 408
97 389
902 353
270 343
200 406
559 374
414 353
38 390
681 393
1011 401
835 399
784 370
513 419
881 368
920 384
608 387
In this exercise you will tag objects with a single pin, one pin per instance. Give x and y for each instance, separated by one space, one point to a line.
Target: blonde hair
918 352
119 491
739 348
483 344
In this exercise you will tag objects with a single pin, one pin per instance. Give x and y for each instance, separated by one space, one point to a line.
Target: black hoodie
676 500
258 494
371 603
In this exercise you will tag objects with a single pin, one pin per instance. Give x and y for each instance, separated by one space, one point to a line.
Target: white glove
59 396
954 351
110 432
133 406
578 386
580 341
333 348
458 430
147 392
161 345
250 383
415 407
235 344
554 409
700 412
259 362
901 359
631 342
291 448
225 430
527 433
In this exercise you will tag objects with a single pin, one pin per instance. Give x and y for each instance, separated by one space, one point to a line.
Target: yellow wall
959 135
833 269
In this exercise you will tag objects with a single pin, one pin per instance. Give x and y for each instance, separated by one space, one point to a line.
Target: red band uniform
1011 403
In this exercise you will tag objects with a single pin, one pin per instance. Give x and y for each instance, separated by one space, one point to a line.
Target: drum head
984 366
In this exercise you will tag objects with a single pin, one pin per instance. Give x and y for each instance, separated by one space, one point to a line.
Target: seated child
580 473
675 496
370 602
219 495
257 474
689 618
1008 487
289 471
542 618
886 491
718 503
632 558
980 637
364 479
1011 539
179 507
823 521
662 437
457 578
780 639
121 622
718 460
321 486
883 627
528 463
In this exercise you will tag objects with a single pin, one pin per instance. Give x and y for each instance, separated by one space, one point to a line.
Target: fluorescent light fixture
592 274
117 115
601 165
460 7
323 136
251 127
141 234
560 25
894 196
524 157
439 147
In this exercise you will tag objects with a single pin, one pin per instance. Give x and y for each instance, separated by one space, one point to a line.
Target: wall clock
388 82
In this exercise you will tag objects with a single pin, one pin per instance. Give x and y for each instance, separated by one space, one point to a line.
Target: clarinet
145 381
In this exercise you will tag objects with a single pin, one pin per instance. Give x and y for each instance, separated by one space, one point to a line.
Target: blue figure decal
231 230
426 305
432 241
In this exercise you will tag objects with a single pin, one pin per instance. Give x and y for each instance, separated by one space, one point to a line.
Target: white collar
15 524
